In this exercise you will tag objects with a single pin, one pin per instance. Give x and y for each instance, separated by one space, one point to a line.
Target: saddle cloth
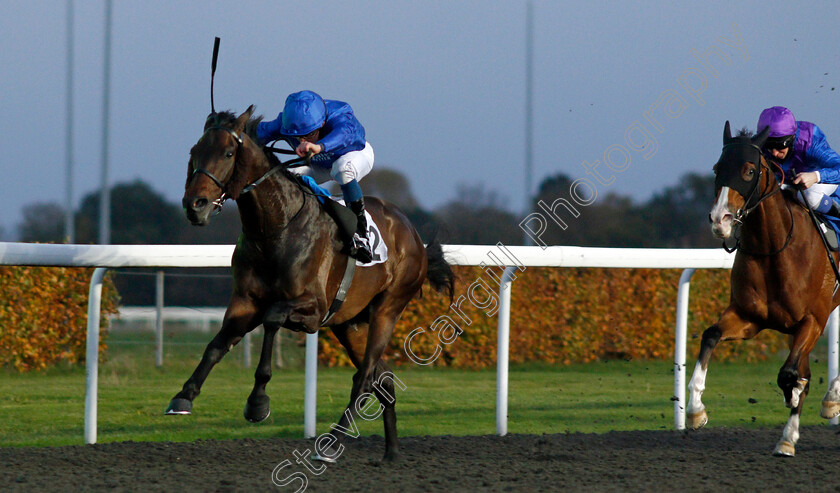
377 246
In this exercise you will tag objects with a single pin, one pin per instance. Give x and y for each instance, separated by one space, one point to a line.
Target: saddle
827 226
347 222
341 214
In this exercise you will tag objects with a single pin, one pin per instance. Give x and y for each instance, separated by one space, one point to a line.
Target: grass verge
47 408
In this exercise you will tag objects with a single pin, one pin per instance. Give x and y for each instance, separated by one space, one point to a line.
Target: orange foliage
564 316
43 315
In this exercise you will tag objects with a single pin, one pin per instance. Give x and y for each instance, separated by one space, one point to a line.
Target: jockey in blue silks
330 130
802 151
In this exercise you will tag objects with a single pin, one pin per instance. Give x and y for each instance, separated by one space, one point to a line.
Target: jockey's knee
344 172
812 199
354 165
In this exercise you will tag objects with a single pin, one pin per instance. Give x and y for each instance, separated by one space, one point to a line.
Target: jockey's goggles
779 143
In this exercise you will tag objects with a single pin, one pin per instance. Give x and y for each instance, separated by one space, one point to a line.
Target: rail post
92 354
681 337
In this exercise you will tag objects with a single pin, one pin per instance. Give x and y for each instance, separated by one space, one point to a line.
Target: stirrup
361 249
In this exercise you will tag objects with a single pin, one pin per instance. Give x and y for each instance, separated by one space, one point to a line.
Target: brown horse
781 278
290 261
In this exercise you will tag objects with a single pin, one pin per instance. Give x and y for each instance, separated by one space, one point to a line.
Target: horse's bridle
301 161
219 201
744 211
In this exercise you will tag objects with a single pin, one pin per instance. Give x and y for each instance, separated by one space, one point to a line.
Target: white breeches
354 165
815 193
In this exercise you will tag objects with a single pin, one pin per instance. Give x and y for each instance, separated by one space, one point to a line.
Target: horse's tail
439 272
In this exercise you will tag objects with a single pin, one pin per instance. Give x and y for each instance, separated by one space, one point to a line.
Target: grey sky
438 85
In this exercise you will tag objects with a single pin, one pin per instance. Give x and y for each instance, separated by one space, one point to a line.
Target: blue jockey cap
304 112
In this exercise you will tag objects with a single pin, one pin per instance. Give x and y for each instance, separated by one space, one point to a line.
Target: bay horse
781 278
290 261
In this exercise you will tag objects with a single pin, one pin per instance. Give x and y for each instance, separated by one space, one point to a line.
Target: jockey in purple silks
802 151
330 130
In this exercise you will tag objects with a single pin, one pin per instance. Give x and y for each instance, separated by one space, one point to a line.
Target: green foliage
676 217
139 216
43 315
43 222
478 217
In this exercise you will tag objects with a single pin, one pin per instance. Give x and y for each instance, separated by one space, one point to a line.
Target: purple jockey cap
779 119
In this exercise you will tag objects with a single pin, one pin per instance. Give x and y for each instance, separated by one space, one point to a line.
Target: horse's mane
238 181
745 132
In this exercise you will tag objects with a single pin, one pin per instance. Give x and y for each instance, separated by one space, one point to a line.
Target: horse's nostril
194 204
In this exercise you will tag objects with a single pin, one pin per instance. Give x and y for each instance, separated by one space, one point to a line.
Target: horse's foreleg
695 411
237 322
257 408
786 447
793 379
730 326
795 373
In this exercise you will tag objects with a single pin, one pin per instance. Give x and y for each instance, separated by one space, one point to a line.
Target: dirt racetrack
716 459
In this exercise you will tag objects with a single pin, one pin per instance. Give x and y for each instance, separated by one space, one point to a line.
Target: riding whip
213 71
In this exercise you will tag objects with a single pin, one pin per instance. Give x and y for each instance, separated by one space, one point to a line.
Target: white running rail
487 256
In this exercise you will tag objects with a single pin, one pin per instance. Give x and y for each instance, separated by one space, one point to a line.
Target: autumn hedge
558 316
43 315
564 316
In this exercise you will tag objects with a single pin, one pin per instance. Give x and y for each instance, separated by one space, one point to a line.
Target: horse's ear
727 134
761 138
243 118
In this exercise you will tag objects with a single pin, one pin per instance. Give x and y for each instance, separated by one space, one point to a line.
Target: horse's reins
292 163
743 212
350 269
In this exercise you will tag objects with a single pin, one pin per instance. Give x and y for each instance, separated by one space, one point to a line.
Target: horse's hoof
829 409
322 458
257 412
179 406
784 449
328 455
695 421
391 456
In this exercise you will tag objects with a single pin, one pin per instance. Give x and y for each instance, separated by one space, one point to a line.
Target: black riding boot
361 246
835 209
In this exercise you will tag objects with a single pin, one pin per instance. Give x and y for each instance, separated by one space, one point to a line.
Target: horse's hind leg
257 408
830 407
371 378
384 388
374 374
352 336
730 326
239 319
